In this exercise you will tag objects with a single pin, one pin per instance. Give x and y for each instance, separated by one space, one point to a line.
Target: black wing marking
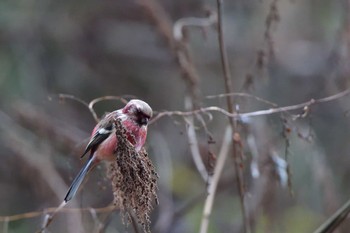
100 135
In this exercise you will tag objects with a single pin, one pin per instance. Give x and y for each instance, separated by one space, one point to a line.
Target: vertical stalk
232 121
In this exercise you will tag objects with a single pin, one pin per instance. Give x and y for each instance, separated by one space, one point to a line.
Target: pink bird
103 142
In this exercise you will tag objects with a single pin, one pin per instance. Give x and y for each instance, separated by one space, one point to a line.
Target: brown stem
233 123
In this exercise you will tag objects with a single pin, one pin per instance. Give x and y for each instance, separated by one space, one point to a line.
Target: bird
134 117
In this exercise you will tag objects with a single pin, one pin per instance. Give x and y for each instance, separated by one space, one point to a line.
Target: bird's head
139 111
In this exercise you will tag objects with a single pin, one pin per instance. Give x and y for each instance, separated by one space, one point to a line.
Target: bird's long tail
79 179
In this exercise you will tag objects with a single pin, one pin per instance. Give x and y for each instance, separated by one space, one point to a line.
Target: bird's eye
141 117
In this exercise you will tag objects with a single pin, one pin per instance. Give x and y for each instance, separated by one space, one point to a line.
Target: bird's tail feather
79 179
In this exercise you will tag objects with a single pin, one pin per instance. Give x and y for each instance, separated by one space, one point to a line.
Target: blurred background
284 51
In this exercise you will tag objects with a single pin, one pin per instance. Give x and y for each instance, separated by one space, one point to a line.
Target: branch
215 180
243 95
335 220
193 22
233 123
34 214
196 155
94 101
90 105
254 113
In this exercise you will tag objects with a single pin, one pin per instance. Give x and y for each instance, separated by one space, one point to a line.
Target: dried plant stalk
134 180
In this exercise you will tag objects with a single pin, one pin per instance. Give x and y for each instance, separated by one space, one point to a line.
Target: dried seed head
134 180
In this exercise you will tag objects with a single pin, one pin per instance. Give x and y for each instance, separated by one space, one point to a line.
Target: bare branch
243 95
72 97
215 180
97 221
108 97
335 220
193 143
233 123
49 216
90 105
34 214
254 113
193 22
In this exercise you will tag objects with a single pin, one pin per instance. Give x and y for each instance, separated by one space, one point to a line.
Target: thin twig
208 205
193 22
254 113
72 97
335 220
49 216
193 143
190 75
34 214
233 123
97 221
243 95
90 105
94 101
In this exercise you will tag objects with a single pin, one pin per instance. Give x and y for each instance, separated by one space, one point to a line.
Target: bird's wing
105 128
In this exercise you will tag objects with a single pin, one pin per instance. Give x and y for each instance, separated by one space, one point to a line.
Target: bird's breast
136 135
